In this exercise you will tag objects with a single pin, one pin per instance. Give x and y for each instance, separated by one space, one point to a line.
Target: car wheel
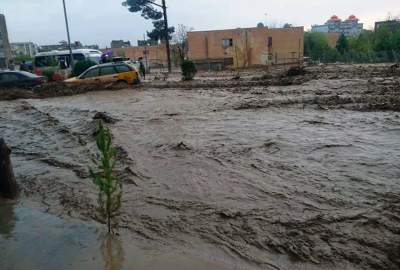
120 84
136 81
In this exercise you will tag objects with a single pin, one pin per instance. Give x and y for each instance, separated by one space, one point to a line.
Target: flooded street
246 176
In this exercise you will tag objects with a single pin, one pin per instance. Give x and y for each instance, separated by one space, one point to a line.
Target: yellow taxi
119 72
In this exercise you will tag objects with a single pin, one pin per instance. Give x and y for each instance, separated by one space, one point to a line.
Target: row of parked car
124 72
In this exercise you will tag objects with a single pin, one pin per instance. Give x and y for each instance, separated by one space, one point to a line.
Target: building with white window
349 27
24 48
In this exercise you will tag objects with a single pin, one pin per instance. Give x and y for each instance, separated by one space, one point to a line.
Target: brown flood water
33 239
279 185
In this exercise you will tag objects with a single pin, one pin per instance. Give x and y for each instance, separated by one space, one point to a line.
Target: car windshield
45 61
95 58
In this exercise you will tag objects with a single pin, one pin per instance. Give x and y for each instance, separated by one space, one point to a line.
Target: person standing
142 68
23 66
11 65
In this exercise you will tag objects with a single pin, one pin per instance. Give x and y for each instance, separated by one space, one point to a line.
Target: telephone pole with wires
69 38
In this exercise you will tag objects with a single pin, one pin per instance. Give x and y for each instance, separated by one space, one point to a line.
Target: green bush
188 70
49 74
82 66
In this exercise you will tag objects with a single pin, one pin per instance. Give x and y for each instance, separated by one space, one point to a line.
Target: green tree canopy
381 45
158 32
362 43
146 7
382 40
396 41
342 44
315 45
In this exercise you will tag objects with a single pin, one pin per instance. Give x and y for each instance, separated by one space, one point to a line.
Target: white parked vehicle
60 61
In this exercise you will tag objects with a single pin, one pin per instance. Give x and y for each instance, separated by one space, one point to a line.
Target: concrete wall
156 55
250 45
5 49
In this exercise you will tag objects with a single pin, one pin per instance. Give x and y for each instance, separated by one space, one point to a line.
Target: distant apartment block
5 49
24 48
349 27
63 45
120 44
244 47
391 25
147 42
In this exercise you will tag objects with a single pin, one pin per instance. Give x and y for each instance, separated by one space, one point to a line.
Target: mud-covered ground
268 172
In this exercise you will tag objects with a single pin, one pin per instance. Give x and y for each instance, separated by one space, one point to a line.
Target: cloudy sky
100 21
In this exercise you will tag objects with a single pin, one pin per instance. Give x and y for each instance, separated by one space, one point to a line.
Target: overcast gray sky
100 21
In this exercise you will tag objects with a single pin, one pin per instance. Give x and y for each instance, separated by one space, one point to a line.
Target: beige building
24 48
244 47
5 49
156 56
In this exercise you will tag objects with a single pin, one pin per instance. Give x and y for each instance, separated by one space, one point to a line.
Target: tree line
381 45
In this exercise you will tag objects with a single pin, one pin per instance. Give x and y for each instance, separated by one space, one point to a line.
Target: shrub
49 74
296 71
82 66
188 70
110 186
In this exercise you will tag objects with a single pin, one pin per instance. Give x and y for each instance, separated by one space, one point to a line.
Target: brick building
332 38
244 47
120 44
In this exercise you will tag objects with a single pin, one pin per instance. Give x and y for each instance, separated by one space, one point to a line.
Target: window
269 41
95 58
91 73
227 42
78 56
8 77
104 71
45 61
122 68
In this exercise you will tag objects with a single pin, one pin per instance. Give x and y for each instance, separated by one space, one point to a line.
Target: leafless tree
180 40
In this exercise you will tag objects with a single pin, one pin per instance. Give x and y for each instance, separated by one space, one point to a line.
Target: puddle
32 239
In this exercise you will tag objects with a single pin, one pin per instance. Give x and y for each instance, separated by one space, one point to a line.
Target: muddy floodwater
251 174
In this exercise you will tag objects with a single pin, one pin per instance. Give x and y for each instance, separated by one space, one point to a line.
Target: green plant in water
110 186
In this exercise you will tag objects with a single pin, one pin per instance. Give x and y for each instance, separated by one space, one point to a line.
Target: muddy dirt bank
55 89
274 177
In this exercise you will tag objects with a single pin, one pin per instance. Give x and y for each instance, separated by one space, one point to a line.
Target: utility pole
69 39
164 7
266 19
145 54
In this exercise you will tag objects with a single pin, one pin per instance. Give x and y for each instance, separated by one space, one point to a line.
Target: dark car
19 79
